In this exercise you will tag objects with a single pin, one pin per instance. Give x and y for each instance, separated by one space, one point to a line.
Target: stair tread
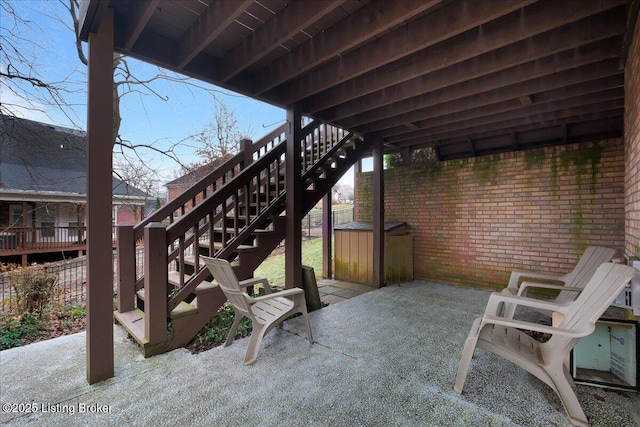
133 322
219 245
205 286
184 309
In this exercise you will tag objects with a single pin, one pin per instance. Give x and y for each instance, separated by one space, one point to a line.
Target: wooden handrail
176 204
167 210
255 187
204 207
20 239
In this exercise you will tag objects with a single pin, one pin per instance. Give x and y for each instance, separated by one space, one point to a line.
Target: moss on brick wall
475 220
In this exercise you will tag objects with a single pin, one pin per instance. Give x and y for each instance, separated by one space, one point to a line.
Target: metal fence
312 223
72 274
70 283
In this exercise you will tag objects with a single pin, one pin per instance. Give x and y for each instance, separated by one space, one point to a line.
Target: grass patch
273 267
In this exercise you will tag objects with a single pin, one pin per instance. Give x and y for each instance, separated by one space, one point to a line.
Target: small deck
386 357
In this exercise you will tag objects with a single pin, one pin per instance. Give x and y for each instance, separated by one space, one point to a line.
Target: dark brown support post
327 238
406 155
155 283
247 149
378 213
293 188
100 365
357 168
126 274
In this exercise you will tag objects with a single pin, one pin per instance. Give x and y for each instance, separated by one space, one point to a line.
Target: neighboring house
186 181
43 183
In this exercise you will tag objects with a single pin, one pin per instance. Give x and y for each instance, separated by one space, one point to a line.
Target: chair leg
232 331
467 355
253 348
306 320
567 395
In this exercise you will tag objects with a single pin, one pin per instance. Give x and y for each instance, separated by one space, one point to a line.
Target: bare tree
220 139
19 67
137 176
22 84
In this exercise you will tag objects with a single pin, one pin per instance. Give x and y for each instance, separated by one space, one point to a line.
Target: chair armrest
516 275
524 286
537 327
285 293
256 281
497 298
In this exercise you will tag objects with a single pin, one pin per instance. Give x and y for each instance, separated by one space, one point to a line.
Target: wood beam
592 76
578 128
552 98
287 23
293 189
218 17
546 32
510 124
352 31
138 16
99 337
526 134
378 212
588 60
449 20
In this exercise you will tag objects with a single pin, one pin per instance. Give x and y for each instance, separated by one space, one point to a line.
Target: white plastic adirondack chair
504 336
573 282
265 311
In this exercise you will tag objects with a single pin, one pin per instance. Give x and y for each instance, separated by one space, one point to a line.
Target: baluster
224 224
236 212
211 232
247 202
126 268
181 259
196 246
155 283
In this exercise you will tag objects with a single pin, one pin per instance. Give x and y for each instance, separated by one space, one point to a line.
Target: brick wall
632 147
476 220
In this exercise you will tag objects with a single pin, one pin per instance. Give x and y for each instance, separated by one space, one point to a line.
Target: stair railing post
247 149
155 282
126 267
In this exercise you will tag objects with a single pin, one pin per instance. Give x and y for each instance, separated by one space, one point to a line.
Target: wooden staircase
235 212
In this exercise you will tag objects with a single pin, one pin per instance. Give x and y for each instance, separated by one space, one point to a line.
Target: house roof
467 77
193 176
42 159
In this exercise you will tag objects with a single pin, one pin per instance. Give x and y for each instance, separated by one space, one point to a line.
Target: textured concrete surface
384 358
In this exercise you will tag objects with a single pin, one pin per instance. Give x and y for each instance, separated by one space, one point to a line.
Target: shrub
35 289
216 330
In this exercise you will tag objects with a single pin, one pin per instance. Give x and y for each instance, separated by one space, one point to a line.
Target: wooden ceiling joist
413 72
464 62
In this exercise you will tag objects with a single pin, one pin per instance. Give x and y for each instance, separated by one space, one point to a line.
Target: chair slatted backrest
592 258
227 280
605 285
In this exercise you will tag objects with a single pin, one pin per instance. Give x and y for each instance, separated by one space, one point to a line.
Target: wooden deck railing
20 240
221 211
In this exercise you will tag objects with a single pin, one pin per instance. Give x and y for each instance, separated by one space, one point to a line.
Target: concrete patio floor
384 358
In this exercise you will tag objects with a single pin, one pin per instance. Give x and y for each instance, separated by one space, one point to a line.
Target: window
47 229
47 214
16 215
73 229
